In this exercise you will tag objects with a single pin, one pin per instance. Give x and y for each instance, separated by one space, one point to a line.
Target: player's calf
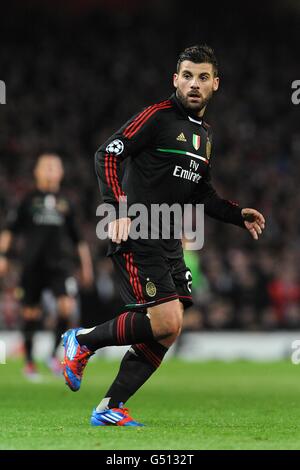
128 328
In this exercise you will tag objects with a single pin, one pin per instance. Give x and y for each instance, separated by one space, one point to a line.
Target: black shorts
34 281
148 280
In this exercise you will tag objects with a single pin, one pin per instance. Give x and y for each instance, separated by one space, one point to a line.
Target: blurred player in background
46 220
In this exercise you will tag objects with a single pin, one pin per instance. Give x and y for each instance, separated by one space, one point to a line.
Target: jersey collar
197 121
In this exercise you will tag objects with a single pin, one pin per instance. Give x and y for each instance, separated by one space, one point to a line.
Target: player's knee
170 321
172 326
31 313
65 306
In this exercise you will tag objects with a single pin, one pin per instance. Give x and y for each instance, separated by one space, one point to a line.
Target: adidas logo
181 137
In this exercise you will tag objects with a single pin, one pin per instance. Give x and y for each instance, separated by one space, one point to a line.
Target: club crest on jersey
208 148
116 147
151 289
196 141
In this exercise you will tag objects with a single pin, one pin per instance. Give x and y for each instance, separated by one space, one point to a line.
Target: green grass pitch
211 405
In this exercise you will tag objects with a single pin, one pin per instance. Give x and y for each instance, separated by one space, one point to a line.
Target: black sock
61 326
29 328
136 367
128 328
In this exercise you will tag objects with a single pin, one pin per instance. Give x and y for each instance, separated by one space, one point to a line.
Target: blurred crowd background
75 71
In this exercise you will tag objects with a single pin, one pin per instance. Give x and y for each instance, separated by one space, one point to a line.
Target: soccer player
46 220
167 152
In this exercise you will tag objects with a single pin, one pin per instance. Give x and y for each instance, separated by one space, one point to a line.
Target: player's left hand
254 222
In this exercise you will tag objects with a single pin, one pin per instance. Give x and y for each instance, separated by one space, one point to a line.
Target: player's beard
194 107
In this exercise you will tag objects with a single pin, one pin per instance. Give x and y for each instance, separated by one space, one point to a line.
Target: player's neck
201 112
47 188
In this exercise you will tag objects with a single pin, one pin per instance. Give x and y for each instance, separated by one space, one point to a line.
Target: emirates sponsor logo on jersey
190 174
186 174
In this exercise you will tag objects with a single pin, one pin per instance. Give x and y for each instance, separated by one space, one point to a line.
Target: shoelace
82 361
122 410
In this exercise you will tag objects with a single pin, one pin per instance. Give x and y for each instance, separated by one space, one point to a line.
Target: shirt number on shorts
188 276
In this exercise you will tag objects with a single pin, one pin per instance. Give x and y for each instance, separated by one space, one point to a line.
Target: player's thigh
32 282
144 280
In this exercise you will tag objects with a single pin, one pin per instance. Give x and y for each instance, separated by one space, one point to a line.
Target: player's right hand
118 230
3 265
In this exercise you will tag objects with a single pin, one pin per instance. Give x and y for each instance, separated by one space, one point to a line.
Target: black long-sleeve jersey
47 222
168 154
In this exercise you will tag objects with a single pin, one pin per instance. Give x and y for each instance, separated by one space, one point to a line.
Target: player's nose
195 85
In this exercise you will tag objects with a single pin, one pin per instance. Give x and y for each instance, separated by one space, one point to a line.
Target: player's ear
35 171
62 171
216 83
175 79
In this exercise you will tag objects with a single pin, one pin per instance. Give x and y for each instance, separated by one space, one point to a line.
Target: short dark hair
199 54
